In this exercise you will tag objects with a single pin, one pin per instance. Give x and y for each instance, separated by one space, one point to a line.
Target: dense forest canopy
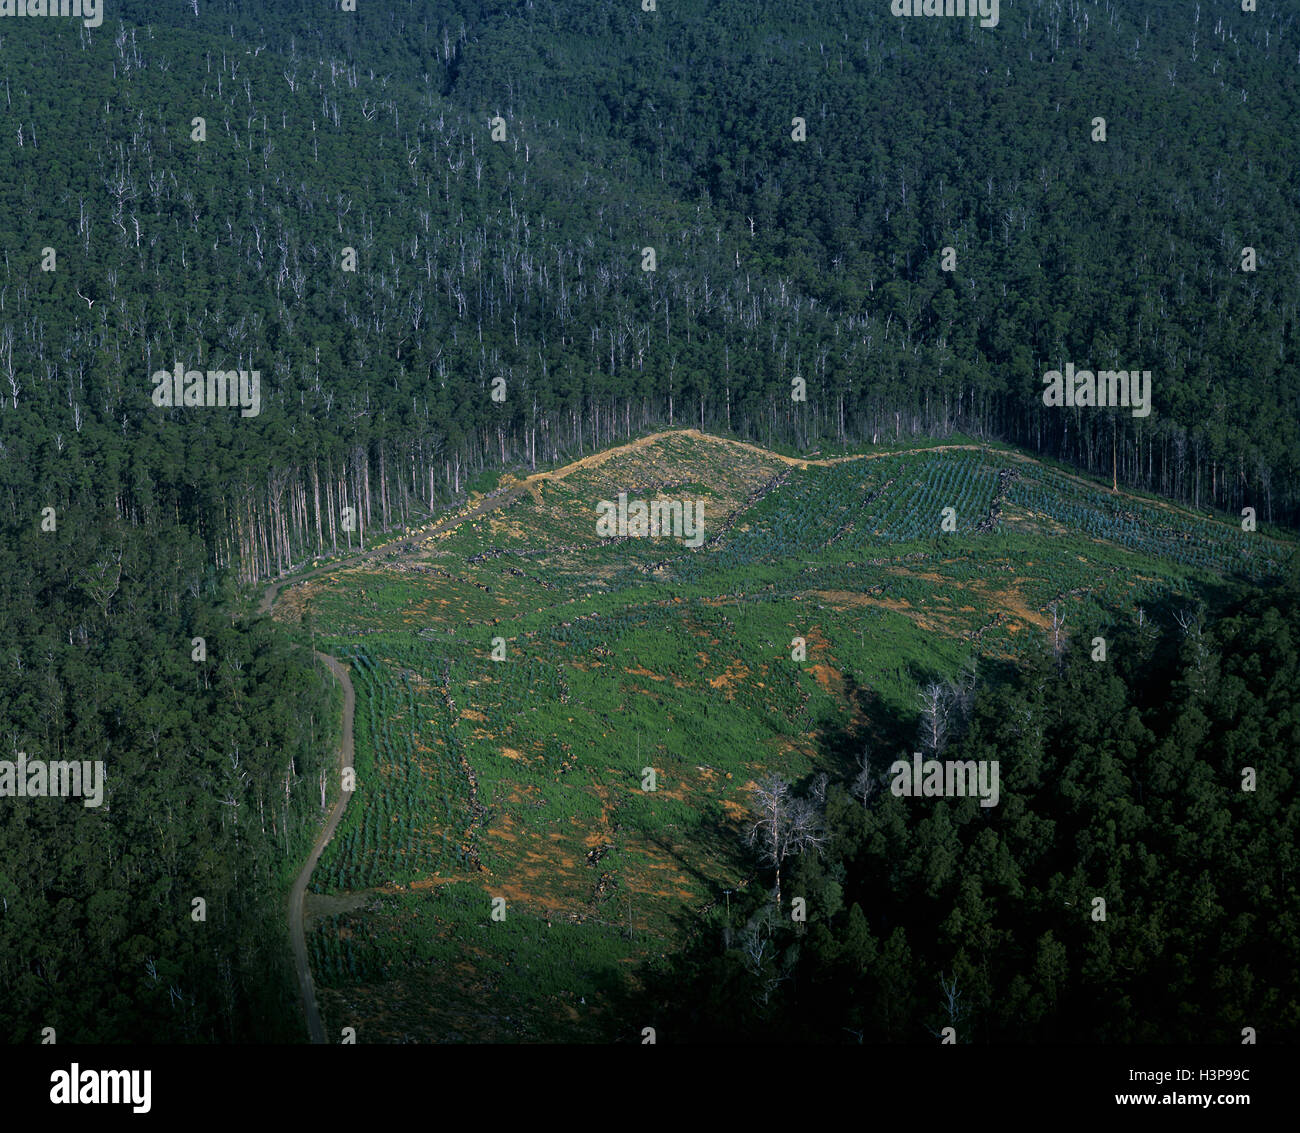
476 260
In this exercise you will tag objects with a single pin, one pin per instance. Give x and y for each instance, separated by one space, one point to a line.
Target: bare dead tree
938 701
817 792
784 824
954 1011
864 786
7 362
1188 622
969 682
102 581
754 942
759 955
1058 630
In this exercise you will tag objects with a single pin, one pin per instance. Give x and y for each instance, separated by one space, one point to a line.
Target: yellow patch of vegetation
734 811
732 675
643 672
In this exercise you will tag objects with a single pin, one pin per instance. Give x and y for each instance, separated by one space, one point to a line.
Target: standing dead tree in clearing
783 825
864 786
939 705
1057 631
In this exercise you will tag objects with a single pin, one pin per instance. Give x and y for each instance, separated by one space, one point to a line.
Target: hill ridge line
509 492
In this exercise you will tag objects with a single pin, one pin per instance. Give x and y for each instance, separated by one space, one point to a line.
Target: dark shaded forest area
1123 782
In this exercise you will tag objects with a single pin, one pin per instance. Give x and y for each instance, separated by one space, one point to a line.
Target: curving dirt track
297 895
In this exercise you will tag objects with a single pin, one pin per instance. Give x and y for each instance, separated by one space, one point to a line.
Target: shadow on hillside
877 726
711 958
709 990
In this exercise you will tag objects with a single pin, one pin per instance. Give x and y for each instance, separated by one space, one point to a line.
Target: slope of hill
821 599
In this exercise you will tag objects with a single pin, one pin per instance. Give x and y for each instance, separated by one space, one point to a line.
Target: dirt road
315 1029
297 896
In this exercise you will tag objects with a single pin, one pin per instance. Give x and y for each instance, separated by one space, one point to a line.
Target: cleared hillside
523 778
